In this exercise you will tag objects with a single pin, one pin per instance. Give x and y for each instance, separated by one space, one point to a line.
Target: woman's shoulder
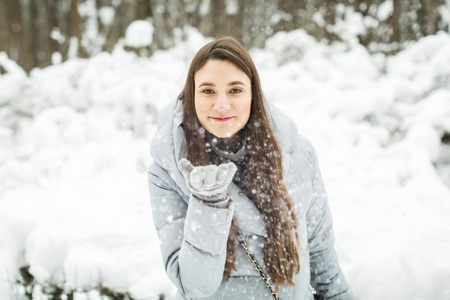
168 112
161 148
287 131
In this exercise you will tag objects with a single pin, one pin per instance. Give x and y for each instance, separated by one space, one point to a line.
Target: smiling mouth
221 119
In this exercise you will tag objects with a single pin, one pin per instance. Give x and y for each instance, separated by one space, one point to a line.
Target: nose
222 103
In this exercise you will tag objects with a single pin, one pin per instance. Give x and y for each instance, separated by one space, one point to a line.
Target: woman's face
223 97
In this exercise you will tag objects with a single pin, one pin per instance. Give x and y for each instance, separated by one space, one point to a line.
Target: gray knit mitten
209 183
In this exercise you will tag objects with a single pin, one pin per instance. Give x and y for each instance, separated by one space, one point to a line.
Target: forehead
220 70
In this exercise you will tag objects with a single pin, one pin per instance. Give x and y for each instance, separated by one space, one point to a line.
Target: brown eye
235 91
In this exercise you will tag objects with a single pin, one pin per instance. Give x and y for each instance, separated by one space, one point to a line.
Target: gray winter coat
193 236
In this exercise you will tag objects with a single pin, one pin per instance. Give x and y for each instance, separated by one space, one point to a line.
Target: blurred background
81 85
34 31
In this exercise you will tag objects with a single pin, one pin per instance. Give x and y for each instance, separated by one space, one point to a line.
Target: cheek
200 107
245 108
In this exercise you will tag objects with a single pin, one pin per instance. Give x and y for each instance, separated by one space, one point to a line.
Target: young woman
234 188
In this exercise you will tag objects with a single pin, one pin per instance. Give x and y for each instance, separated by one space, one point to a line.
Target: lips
223 119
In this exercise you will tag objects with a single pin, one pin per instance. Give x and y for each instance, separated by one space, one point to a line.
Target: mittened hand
209 183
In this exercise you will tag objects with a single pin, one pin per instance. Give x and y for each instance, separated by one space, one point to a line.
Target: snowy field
74 141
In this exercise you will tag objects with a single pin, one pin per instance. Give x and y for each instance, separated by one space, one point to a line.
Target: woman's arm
326 275
193 238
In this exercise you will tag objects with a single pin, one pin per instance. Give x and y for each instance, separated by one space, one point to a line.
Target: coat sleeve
326 275
193 237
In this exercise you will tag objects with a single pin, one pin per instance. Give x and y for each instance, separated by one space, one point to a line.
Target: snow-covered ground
74 142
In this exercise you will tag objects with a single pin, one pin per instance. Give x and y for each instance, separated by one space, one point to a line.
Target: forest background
34 31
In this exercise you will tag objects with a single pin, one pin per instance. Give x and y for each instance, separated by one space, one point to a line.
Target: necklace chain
257 266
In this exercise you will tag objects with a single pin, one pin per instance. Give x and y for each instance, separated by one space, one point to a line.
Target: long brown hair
264 167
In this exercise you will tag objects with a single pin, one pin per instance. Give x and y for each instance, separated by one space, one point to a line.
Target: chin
222 134
223 130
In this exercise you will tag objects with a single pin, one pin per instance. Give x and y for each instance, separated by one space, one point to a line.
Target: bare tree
77 28
125 14
5 30
428 16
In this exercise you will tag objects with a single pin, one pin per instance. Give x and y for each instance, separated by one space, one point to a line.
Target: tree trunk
32 33
77 27
123 17
18 45
330 13
64 24
217 12
143 9
427 16
5 21
396 30
52 23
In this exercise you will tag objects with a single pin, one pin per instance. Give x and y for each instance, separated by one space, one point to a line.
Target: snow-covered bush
139 37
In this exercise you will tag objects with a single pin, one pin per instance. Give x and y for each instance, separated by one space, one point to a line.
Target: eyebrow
237 82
